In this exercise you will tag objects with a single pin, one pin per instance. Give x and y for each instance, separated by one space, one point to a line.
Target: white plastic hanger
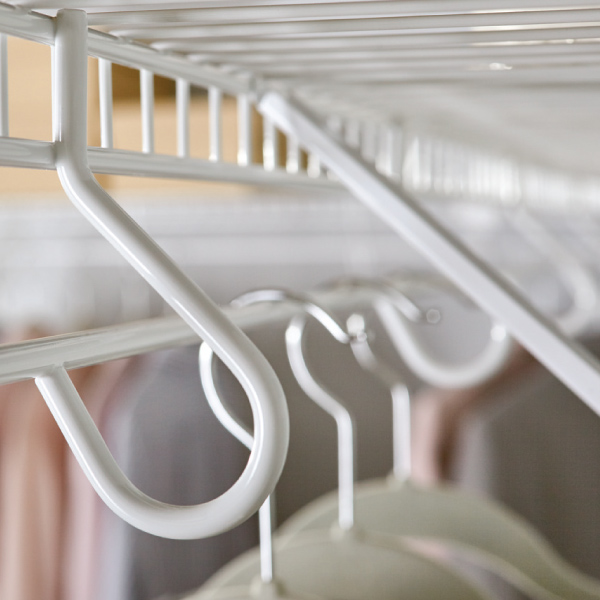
341 563
395 310
485 533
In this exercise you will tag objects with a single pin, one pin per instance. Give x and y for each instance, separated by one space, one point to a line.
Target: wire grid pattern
494 104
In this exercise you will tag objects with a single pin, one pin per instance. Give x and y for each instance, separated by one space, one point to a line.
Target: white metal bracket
187 299
571 363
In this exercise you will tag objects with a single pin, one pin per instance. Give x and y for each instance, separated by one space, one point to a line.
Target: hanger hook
294 336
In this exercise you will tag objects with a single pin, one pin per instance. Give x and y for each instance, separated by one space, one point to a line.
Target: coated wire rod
105 88
147 109
183 118
215 117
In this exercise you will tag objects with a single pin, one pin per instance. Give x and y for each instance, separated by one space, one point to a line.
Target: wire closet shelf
438 99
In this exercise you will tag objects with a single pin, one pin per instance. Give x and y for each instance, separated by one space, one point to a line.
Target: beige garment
32 493
437 415
83 505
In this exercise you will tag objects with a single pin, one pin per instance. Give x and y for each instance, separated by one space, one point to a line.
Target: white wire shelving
494 104
437 99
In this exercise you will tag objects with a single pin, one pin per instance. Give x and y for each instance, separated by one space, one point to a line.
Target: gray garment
535 448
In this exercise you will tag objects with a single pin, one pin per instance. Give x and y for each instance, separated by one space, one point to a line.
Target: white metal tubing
215 104
33 154
105 88
40 28
458 22
231 345
147 109
29 26
429 5
564 357
560 34
243 434
402 432
386 150
123 162
292 162
244 126
257 57
3 86
29 154
313 167
183 118
25 360
282 12
270 145
138 56
240 431
294 344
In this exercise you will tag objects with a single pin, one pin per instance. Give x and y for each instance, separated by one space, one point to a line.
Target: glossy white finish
147 109
215 100
240 431
205 318
270 146
565 358
244 124
332 406
105 92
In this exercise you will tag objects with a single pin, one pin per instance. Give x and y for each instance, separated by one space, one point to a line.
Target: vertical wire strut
147 106
267 400
3 85
215 112
183 118
244 156
105 87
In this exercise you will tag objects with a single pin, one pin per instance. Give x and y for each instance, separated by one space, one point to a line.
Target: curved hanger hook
331 405
314 390
390 307
399 392
204 317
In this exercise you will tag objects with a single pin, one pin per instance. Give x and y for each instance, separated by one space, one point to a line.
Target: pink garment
32 493
82 531
437 415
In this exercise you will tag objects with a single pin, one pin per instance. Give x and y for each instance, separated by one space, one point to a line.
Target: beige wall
31 118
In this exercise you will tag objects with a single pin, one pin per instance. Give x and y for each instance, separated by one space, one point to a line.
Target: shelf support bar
571 363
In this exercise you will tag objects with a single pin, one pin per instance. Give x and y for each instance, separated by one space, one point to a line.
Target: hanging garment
32 494
529 443
81 530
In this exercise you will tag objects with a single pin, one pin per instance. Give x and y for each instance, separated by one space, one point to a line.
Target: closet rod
578 369
29 359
